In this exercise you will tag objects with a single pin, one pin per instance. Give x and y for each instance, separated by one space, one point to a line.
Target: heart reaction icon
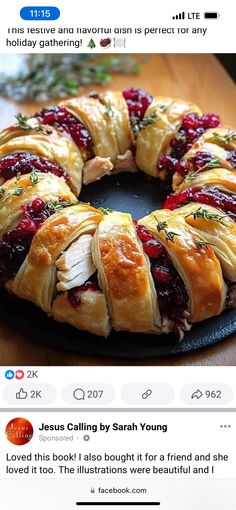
19 374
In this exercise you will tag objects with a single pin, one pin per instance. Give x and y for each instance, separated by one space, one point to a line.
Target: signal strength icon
181 15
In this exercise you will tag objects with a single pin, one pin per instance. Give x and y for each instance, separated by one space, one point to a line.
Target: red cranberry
209 196
74 295
210 120
28 225
153 248
38 204
231 157
190 121
192 127
16 243
143 233
172 165
59 116
25 162
161 274
137 101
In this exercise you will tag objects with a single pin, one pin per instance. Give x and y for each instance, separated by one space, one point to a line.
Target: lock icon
92 490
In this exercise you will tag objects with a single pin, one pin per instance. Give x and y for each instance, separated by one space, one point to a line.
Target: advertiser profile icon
19 431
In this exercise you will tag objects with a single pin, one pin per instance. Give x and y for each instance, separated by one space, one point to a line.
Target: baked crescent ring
96 269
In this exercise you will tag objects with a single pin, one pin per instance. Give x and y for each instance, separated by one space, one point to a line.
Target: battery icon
211 15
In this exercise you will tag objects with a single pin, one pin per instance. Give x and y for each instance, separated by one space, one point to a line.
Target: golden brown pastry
50 144
215 147
16 193
192 260
37 278
218 230
219 178
124 275
153 141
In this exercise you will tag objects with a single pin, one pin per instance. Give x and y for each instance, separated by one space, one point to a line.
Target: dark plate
137 194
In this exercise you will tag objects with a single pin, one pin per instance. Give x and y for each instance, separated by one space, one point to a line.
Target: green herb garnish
203 213
18 176
230 136
163 225
15 192
108 110
203 244
163 107
211 164
34 177
59 205
105 210
23 121
2 191
137 126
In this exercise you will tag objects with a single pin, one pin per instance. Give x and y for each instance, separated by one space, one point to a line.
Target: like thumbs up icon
21 394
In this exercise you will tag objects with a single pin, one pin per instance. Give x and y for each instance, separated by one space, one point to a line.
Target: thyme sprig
163 225
15 192
163 107
203 244
211 164
105 210
34 178
109 110
58 205
229 137
18 176
2 191
207 215
23 122
137 126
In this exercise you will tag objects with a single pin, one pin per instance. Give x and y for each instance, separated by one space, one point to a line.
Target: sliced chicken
125 163
96 168
231 298
75 265
177 325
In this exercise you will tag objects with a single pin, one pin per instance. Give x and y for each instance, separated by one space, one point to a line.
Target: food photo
117 210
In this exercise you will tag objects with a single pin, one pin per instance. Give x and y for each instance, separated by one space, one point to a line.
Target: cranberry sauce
231 157
137 101
209 196
60 117
172 294
25 163
191 129
74 295
15 244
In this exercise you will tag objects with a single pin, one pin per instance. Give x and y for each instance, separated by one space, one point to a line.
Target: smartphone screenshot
117 255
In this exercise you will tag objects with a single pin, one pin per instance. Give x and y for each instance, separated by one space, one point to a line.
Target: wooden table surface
199 78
